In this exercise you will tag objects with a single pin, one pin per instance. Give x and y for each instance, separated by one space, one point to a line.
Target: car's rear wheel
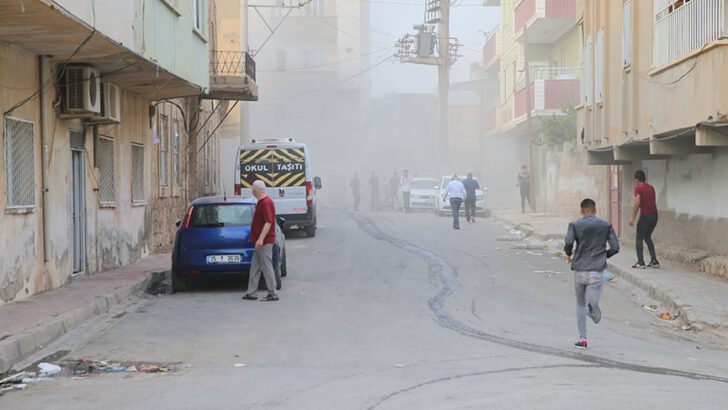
311 230
284 266
179 284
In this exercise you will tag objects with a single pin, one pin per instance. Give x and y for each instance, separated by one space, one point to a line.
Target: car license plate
215 259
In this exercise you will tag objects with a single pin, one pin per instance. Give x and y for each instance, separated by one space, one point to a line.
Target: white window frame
163 135
627 34
10 171
599 69
197 15
588 94
134 168
175 153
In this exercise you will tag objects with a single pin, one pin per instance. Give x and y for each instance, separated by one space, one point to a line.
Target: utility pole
443 69
420 49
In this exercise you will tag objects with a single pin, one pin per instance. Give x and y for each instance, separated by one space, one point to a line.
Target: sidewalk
29 325
701 301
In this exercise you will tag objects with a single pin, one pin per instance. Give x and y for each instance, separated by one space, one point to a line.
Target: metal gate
78 200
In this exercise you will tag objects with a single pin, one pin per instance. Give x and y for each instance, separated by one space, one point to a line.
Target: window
504 87
163 146
599 68
664 7
105 164
316 8
281 61
627 34
207 159
216 216
19 163
137 173
197 14
588 72
175 154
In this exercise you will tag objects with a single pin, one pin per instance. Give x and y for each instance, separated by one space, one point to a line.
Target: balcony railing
686 29
544 9
491 49
232 63
551 91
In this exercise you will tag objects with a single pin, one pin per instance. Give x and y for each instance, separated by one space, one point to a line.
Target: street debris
239 365
48 369
400 365
667 316
151 368
651 308
687 327
14 382
515 232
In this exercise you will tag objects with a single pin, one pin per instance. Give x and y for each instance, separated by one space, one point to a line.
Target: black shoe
654 264
270 298
639 265
250 296
595 313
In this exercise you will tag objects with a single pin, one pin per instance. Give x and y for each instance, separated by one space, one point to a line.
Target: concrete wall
114 234
21 273
691 198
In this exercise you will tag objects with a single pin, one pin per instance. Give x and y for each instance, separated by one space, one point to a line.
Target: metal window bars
19 163
105 164
137 173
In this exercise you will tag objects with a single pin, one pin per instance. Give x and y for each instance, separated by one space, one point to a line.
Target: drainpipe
43 78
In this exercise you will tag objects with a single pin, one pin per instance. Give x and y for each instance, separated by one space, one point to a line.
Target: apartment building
656 100
314 68
109 117
535 56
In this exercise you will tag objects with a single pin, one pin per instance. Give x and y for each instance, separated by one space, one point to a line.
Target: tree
558 129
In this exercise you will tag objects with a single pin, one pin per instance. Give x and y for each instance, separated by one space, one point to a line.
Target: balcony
544 21
232 76
492 51
550 91
681 30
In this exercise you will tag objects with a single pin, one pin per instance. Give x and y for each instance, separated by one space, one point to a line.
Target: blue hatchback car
213 240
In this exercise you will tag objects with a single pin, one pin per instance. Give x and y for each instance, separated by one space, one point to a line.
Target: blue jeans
455 204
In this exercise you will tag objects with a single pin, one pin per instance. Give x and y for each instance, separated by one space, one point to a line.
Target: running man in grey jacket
588 262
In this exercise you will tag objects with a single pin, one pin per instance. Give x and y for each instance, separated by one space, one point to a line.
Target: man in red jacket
646 204
263 234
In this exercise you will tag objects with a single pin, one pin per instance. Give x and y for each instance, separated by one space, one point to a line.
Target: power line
315 90
304 69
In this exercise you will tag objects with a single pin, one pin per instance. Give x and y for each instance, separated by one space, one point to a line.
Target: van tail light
309 193
188 216
237 189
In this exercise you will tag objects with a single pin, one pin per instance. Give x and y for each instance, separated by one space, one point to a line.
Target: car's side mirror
317 182
178 223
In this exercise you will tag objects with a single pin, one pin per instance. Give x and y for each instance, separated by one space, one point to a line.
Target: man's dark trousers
455 204
470 209
645 226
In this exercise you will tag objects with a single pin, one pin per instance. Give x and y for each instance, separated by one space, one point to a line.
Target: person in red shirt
263 234
646 204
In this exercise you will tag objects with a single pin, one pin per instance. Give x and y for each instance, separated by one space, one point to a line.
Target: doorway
615 198
78 208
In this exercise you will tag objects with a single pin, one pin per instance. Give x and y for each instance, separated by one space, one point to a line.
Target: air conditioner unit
82 89
110 112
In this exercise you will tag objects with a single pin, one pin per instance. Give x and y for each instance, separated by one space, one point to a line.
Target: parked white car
424 193
442 207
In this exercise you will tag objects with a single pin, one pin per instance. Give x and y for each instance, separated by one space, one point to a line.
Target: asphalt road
393 311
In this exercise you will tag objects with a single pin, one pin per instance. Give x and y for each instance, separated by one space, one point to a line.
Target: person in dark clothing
393 190
588 261
355 185
471 185
645 203
374 186
524 183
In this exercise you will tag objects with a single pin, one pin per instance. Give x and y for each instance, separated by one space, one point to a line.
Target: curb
19 347
666 297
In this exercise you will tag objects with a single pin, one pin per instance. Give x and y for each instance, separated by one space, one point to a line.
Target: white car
442 207
424 193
